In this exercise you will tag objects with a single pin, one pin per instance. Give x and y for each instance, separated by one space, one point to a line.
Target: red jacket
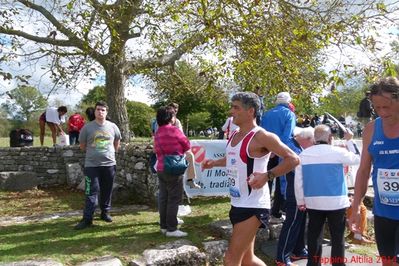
75 122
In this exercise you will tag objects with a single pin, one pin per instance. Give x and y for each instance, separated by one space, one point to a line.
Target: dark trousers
291 239
169 199
73 137
278 198
336 224
99 182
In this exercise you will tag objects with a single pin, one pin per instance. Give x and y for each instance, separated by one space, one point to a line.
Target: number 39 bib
234 186
388 186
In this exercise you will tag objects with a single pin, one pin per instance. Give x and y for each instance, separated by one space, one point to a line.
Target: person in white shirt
53 117
321 189
229 127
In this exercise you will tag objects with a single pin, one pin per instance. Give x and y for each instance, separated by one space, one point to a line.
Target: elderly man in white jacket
321 189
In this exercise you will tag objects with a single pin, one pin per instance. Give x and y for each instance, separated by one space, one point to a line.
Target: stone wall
53 166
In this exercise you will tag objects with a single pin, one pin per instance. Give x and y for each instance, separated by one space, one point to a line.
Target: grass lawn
5 142
127 237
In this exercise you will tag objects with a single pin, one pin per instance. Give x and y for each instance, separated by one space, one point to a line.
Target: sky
135 91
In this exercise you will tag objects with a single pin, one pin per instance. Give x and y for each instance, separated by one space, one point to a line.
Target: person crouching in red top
169 140
75 124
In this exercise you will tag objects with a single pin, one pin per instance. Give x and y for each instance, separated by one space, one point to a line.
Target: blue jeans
73 137
99 182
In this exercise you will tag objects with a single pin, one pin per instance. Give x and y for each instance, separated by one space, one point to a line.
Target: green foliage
342 102
94 95
24 102
283 53
140 115
194 89
5 127
199 121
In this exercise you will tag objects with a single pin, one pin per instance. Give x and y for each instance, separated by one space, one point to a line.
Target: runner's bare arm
362 178
209 163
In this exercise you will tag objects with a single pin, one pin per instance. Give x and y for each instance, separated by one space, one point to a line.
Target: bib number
234 187
388 186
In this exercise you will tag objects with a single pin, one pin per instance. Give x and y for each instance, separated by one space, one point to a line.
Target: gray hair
322 133
305 133
248 100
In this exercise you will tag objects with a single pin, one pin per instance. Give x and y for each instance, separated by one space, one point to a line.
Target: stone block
180 252
215 251
18 181
103 261
33 263
74 174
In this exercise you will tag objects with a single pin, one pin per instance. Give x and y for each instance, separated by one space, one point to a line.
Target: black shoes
106 217
83 224
87 223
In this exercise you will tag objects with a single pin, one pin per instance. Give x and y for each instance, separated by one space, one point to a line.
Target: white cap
283 97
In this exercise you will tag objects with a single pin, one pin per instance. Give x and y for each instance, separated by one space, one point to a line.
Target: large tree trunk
115 91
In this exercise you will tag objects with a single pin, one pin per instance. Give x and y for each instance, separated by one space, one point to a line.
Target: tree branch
48 40
167 59
73 40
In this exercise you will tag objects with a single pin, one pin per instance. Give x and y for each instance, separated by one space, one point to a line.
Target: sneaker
176 233
192 184
106 217
289 263
275 220
163 231
302 255
180 221
83 224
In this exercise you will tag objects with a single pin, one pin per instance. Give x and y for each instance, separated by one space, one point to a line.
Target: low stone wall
53 166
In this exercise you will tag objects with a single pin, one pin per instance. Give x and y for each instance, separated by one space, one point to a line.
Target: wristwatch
270 175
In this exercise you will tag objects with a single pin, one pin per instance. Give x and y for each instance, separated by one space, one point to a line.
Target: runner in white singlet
247 154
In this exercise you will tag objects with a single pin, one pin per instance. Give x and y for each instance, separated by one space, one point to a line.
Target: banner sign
214 181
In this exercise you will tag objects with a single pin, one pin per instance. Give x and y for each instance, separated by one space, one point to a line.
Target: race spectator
169 140
100 139
53 117
229 127
279 120
321 189
75 124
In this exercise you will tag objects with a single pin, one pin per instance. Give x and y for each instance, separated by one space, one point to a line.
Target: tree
82 38
194 88
94 95
199 121
342 102
5 126
140 116
24 101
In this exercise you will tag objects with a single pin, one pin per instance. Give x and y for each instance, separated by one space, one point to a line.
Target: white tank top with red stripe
240 166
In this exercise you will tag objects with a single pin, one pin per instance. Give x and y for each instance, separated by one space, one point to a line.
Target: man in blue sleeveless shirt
381 153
